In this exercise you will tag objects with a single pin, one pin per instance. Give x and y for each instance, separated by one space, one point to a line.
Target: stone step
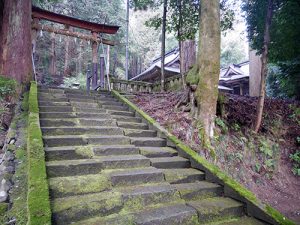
139 133
171 214
51 95
179 214
127 119
148 141
115 150
90 105
115 107
138 197
177 176
154 152
88 110
212 209
68 153
110 102
120 113
95 165
76 122
50 99
71 209
136 176
128 125
52 103
198 190
111 130
74 140
56 109
170 162
239 220
80 96
51 90
106 180
82 115
132 198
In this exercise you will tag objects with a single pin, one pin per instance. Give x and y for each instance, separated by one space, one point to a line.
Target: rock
12 141
10 169
3 196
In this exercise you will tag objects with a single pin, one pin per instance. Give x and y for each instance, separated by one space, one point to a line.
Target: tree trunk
264 67
163 46
209 66
15 54
188 55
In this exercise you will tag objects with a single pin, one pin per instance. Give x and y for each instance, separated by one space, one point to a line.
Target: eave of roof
74 22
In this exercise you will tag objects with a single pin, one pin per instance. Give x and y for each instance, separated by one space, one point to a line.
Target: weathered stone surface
56 115
115 150
127 119
170 215
58 122
198 190
242 220
130 125
108 140
120 113
115 107
136 176
176 176
56 109
170 162
153 142
153 152
69 209
216 208
101 130
139 133
124 161
97 122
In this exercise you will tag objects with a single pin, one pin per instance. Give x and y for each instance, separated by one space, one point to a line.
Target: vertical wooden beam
102 69
94 62
34 35
52 67
67 44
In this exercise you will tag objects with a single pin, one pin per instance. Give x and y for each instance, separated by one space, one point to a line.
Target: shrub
7 87
296 162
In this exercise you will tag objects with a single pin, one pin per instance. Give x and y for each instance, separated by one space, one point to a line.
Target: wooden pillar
67 45
80 58
94 62
102 70
52 67
34 35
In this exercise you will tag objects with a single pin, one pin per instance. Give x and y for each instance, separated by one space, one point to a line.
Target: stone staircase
106 167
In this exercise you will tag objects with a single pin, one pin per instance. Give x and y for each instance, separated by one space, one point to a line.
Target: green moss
193 76
85 151
38 193
3 208
242 191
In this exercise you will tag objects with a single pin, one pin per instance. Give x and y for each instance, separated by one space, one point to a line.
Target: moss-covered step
127 119
97 122
105 180
138 197
130 125
148 141
85 104
154 152
179 214
120 113
56 109
139 133
49 99
71 209
53 96
74 140
212 209
95 165
88 110
69 153
198 190
177 176
115 107
101 130
171 214
77 185
136 176
53 103
238 221
170 162
115 150
57 122
57 115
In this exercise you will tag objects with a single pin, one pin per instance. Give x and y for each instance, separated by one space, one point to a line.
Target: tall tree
209 65
163 45
15 55
264 67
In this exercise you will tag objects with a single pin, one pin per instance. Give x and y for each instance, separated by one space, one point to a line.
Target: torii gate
95 38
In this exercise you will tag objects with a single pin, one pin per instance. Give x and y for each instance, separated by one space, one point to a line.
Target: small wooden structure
95 35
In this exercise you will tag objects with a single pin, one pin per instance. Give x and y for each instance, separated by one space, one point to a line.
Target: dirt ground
261 162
